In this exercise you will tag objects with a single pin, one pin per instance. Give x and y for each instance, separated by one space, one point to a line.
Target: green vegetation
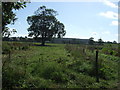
44 25
9 16
29 65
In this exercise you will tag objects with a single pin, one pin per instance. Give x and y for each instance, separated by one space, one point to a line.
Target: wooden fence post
96 65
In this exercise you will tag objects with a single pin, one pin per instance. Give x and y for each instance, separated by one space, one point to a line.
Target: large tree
45 25
8 14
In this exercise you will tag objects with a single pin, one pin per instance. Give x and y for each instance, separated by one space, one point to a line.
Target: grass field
56 66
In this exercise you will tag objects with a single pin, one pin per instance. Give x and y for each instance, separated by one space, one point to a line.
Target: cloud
77 36
84 37
108 3
11 29
114 23
117 35
94 33
106 33
18 35
109 14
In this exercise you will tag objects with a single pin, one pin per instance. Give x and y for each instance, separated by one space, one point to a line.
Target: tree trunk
43 40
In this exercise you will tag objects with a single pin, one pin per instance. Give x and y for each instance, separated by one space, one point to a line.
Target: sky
81 19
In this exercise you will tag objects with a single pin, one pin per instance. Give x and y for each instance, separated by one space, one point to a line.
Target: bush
107 69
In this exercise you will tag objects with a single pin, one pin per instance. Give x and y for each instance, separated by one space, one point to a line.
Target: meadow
29 65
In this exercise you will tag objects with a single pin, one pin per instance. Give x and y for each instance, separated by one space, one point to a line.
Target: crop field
29 65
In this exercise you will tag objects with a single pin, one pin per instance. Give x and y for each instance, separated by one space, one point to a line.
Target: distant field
29 65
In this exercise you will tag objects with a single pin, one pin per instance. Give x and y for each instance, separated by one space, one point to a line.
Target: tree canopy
100 41
8 15
45 25
91 41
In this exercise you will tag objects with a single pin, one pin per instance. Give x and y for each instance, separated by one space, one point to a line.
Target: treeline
100 42
24 39
21 39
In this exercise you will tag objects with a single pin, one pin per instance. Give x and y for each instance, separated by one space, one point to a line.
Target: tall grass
58 66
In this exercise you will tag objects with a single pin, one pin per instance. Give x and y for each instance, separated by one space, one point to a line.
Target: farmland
29 65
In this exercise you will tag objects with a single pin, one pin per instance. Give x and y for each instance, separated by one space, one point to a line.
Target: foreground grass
30 64
55 66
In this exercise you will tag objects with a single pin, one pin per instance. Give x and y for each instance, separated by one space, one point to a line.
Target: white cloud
84 37
77 36
94 33
19 35
114 23
117 35
106 33
109 14
11 29
108 3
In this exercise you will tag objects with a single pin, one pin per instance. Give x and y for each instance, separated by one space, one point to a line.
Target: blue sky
81 19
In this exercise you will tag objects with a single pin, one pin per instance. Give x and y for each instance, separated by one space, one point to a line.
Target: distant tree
114 42
8 15
100 41
109 42
45 25
26 38
91 41
21 38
